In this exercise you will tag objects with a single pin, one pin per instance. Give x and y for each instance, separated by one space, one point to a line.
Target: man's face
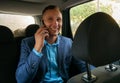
52 19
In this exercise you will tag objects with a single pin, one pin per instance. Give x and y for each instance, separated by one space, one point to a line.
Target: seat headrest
31 29
6 35
97 40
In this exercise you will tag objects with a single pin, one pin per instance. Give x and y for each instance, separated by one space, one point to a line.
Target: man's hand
40 35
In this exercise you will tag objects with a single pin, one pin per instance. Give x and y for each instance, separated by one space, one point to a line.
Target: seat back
97 40
18 41
8 58
31 29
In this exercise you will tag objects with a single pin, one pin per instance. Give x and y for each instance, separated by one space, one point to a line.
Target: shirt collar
54 44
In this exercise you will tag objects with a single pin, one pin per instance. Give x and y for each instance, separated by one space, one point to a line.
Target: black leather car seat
8 57
97 42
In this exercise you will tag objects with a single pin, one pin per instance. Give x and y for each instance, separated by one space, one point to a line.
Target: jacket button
33 65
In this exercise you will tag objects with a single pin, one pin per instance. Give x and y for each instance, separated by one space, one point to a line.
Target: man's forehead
52 12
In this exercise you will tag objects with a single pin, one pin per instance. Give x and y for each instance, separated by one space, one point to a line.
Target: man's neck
51 39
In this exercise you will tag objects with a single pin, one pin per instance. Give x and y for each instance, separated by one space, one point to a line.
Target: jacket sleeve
28 64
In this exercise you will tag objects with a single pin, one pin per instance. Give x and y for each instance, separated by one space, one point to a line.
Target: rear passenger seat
8 55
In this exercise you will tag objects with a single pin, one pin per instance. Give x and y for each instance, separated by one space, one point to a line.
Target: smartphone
46 27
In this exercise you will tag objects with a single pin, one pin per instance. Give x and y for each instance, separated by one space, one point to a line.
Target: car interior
95 41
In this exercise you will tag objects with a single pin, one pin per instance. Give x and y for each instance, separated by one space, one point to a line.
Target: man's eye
50 19
58 19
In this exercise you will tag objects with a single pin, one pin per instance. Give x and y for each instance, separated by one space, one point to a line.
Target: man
46 57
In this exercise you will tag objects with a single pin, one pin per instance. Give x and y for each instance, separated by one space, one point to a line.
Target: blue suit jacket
29 63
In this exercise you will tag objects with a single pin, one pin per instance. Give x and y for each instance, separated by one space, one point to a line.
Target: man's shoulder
65 40
29 40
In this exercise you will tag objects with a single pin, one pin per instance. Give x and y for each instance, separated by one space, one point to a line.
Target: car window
16 22
80 12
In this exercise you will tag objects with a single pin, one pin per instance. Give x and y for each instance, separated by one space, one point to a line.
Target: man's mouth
53 29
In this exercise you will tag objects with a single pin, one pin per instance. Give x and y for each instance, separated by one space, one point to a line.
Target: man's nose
55 22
